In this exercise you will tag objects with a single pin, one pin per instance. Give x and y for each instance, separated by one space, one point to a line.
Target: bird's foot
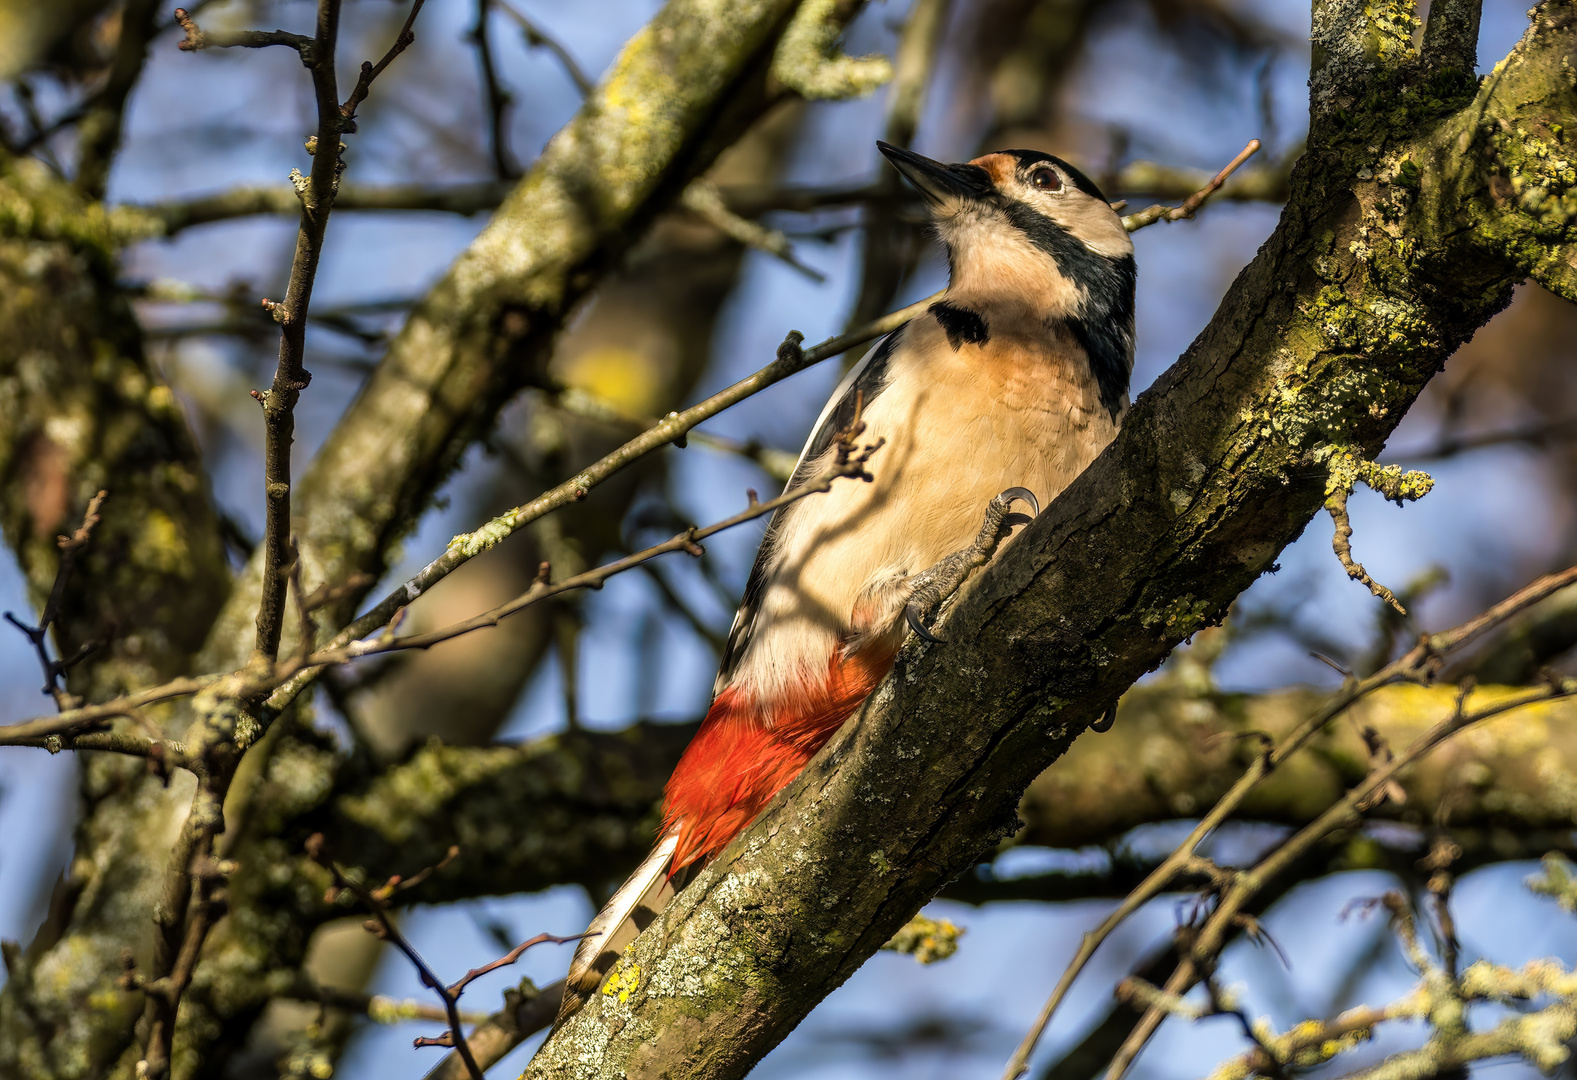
930 587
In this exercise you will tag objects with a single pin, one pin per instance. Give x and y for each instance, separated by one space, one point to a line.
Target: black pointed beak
938 182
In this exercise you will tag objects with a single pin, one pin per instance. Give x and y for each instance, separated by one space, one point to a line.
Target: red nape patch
748 751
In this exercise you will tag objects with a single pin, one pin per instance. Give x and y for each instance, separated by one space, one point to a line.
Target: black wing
863 383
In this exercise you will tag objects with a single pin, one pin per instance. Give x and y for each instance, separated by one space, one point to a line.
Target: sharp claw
1022 494
913 616
1016 519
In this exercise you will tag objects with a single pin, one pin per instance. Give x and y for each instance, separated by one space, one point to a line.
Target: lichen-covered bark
575 807
1405 231
681 91
590 800
83 411
1173 753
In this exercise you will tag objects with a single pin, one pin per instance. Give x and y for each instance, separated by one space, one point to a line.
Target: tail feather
743 755
638 901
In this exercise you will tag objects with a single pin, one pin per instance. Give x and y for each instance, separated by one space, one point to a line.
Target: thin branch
55 670
775 462
1418 663
496 98
86 716
382 927
101 118
464 199
370 71
702 199
290 374
197 39
791 360
1341 543
457 988
537 38
1191 205
850 464
1541 435
526 1011
1341 814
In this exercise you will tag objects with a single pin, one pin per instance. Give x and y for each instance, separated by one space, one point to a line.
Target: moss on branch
1173 753
84 411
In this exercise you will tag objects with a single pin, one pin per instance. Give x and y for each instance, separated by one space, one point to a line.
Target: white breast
960 426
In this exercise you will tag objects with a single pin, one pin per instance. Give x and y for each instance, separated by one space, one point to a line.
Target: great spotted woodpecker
1004 391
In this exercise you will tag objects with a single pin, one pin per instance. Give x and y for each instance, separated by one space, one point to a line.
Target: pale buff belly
960 427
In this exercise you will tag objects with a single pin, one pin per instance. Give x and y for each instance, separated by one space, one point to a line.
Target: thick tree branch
487 328
1368 284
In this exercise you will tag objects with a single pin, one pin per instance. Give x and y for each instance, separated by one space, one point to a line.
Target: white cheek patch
1093 223
997 262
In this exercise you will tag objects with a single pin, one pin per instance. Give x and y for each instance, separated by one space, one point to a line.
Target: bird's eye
1046 179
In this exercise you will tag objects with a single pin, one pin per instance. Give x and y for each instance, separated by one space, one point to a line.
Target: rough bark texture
681 92
1421 201
84 411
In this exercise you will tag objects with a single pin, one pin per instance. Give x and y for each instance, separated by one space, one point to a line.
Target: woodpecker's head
1028 234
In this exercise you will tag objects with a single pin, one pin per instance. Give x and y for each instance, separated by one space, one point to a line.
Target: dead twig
537 38
55 670
1341 543
1190 206
1419 664
383 928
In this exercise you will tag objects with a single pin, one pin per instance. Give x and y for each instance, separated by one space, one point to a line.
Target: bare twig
1345 811
1341 543
291 376
1419 663
382 926
370 71
702 199
494 96
791 360
458 988
1189 206
55 670
464 199
850 463
85 717
1540 435
537 38
526 1011
197 39
98 138
775 462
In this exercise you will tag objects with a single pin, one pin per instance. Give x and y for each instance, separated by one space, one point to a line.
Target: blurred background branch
502 305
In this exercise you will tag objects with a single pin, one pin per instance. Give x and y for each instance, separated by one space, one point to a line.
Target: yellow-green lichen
807 61
625 978
1346 468
927 940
